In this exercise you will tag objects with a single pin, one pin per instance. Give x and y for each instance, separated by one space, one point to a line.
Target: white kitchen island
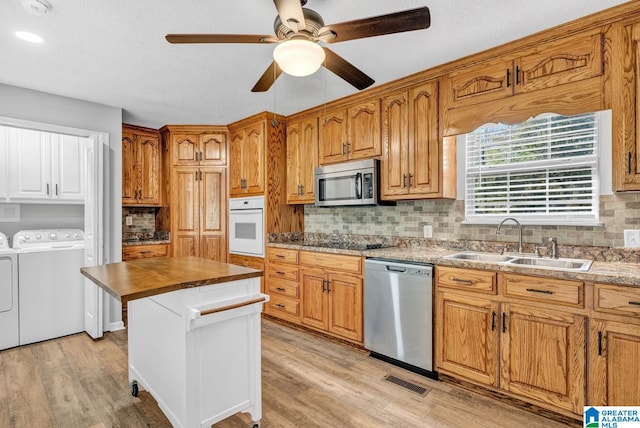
194 335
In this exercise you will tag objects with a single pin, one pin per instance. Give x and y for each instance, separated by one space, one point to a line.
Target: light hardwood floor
308 381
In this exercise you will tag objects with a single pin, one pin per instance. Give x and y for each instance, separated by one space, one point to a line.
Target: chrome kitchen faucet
519 231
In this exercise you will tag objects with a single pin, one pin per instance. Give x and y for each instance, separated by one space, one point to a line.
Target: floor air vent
406 385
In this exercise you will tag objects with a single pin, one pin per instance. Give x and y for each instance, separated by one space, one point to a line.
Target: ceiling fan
298 31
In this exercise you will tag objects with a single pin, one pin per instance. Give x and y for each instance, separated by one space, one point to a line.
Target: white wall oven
246 226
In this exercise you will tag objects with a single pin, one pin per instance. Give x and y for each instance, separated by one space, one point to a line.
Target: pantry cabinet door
68 167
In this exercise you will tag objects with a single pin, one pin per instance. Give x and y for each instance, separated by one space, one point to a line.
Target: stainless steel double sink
524 261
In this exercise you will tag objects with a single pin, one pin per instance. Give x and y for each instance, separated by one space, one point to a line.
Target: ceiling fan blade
290 12
268 78
219 38
346 70
399 22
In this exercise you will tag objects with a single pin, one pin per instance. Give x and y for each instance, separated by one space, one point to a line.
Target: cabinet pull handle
280 256
324 283
599 343
328 286
56 189
508 77
410 180
279 272
145 252
631 302
301 189
279 305
404 180
629 163
195 156
201 155
47 189
517 74
348 147
280 288
343 147
493 320
504 322
464 281
533 290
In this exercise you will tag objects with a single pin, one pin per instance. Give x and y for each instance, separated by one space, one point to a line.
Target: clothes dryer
8 295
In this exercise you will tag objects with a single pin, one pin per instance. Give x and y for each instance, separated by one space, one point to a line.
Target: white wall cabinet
45 167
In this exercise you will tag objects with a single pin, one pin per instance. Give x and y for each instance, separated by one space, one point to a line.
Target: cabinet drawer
616 299
282 255
284 288
466 279
333 262
131 252
246 261
543 289
282 306
288 272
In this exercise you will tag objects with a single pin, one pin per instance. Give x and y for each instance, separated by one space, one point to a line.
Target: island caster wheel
134 388
256 425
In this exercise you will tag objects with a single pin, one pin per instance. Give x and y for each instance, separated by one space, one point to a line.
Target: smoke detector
36 7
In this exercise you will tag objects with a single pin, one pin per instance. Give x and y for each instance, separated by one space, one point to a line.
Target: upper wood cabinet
302 158
413 155
199 148
44 167
350 133
141 166
247 159
546 66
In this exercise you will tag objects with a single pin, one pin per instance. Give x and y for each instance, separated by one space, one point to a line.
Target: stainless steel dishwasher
398 313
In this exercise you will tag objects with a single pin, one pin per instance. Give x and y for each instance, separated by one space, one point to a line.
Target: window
541 171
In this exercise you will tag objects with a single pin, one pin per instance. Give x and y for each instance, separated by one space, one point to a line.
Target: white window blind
542 171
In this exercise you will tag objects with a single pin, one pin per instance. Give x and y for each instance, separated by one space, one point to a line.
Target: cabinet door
4 163
395 144
186 149
253 158
236 145
488 81
308 159
333 137
614 363
467 337
148 158
129 175
556 63
345 298
185 207
543 355
213 213
29 164
213 149
364 130
424 142
68 167
294 140
315 299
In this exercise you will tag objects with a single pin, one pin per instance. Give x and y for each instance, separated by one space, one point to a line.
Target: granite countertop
140 278
146 242
145 238
608 272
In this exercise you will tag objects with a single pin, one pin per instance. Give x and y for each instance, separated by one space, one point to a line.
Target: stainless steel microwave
348 183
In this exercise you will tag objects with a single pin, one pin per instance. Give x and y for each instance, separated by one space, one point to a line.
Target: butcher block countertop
140 278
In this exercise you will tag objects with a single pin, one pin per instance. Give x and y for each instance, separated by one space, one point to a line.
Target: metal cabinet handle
279 272
404 181
534 290
47 189
280 256
280 288
599 343
279 305
146 252
631 302
410 180
328 286
301 190
348 147
56 189
504 322
517 74
628 162
344 145
201 156
493 320
464 281
508 77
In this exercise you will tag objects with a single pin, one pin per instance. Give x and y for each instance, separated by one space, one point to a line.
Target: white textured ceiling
113 51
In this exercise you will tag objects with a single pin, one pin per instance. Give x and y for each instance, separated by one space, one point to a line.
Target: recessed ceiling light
29 37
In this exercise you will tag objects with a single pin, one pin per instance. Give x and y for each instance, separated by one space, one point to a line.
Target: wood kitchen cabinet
350 133
247 147
132 252
517 334
548 65
199 212
331 294
45 167
614 346
198 145
302 158
416 163
141 166
283 284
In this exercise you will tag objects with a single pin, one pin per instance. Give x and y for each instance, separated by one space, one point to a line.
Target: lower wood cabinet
283 284
249 262
531 349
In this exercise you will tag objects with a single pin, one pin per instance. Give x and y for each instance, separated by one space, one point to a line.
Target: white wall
41 107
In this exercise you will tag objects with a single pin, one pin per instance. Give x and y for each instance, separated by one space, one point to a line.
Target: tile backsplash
143 219
617 213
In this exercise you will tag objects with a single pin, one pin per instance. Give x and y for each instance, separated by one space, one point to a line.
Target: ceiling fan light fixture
299 57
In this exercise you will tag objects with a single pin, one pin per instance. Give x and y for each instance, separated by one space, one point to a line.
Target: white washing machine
51 286
8 295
